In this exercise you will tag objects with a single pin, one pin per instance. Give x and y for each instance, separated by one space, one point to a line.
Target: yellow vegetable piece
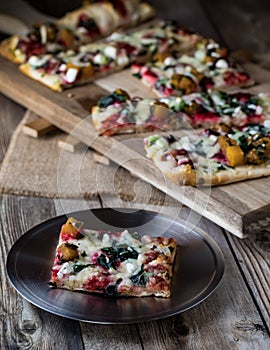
235 156
72 226
66 37
71 65
88 71
225 142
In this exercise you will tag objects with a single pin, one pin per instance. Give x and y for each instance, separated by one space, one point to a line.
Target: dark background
238 24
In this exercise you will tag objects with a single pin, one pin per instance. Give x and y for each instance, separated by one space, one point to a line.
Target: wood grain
253 257
24 326
10 115
240 325
37 127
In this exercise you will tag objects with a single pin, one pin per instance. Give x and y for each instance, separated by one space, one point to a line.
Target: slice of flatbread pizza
212 157
118 113
113 263
73 67
208 67
84 25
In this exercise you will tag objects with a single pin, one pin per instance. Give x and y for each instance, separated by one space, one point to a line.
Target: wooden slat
69 143
38 127
99 158
254 259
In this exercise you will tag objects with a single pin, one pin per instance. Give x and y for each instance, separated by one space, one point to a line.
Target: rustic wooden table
235 316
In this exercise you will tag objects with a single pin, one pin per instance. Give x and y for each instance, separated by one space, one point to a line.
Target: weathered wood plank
37 127
10 115
24 326
228 317
253 257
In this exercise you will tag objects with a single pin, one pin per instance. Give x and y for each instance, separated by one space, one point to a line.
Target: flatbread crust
7 48
54 81
212 157
50 80
103 14
197 177
108 56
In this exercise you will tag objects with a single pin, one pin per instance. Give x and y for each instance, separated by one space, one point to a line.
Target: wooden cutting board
241 208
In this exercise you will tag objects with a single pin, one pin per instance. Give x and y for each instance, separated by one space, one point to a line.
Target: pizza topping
115 111
67 252
140 278
221 63
66 37
235 155
115 52
184 83
113 263
118 95
159 110
98 282
71 74
71 229
214 150
88 26
43 32
209 67
112 257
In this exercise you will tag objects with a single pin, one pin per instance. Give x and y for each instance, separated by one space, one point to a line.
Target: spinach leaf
80 267
113 256
140 278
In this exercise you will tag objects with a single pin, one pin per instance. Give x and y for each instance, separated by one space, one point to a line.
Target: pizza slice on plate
86 24
118 113
208 67
112 263
212 157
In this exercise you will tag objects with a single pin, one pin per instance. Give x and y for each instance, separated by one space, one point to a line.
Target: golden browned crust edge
193 177
42 78
243 173
146 11
6 49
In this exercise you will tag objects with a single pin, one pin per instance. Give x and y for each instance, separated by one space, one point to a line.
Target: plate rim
204 236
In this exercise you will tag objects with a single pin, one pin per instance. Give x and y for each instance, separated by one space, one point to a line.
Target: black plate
198 268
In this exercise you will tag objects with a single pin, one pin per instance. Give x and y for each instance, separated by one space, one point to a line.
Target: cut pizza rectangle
112 263
207 67
118 113
84 25
75 67
213 157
